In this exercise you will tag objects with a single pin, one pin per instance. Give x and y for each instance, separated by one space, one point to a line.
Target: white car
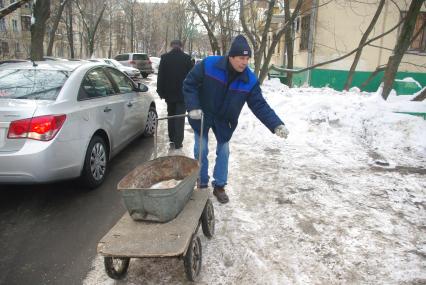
132 72
155 63
61 120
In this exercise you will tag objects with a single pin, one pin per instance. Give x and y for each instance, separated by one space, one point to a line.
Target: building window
304 37
1 3
26 23
419 43
2 25
17 47
14 25
4 48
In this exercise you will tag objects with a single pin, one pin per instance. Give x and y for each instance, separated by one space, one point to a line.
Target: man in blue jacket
219 86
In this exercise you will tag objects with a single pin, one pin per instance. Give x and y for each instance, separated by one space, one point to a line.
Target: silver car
132 72
137 60
61 120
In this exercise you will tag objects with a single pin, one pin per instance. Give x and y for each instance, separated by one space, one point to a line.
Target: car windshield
34 84
113 62
140 56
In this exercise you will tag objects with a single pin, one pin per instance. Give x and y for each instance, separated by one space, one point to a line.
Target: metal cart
160 222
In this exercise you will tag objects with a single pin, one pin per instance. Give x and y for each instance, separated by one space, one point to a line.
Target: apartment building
15 37
330 29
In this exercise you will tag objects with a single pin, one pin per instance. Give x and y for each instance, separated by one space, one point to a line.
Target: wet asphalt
49 233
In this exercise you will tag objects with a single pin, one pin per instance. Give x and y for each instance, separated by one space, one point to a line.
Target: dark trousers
176 126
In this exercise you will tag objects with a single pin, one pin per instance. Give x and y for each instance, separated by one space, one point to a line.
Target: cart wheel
116 267
207 219
192 259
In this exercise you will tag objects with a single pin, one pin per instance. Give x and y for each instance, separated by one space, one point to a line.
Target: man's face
239 63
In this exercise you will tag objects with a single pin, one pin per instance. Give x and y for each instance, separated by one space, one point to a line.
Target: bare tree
69 26
91 16
129 7
219 19
208 24
345 55
56 20
41 13
263 54
401 46
12 7
361 42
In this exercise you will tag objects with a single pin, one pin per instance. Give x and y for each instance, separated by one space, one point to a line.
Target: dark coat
174 66
205 88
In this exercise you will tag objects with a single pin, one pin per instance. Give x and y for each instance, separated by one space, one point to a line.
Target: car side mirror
142 87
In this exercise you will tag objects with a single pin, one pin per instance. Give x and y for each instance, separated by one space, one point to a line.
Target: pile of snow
315 208
358 117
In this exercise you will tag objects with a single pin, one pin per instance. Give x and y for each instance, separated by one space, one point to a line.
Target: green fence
336 79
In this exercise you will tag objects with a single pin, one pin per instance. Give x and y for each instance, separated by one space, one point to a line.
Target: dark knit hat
240 47
176 43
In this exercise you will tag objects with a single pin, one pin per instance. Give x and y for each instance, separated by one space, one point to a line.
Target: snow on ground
341 201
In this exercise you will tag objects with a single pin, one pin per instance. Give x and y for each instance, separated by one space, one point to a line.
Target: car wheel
151 122
95 163
144 74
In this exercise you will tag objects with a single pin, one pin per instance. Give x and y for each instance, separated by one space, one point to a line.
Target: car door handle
130 104
107 109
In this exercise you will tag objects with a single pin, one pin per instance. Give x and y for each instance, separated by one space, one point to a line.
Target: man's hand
281 131
195 114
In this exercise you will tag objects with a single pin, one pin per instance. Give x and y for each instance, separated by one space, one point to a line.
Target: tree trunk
132 28
421 96
41 14
372 75
70 34
289 43
401 47
362 41
55 27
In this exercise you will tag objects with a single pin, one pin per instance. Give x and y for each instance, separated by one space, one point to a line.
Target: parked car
137 60
61 120
52 58
132 72
155 63
7 61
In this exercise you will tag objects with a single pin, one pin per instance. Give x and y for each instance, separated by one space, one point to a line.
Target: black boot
220 194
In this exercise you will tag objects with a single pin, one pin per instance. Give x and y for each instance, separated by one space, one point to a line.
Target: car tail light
43 128
132 62
150 62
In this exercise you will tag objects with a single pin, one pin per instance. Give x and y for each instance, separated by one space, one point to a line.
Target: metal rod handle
180 116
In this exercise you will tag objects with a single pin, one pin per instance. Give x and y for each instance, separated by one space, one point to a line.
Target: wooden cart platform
129 238
176 238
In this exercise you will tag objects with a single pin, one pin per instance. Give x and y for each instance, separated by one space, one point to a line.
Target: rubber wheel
116 267
144 75
150 122
193 258
95 163
207 219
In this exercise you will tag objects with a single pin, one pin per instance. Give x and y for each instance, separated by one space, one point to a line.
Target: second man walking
173 68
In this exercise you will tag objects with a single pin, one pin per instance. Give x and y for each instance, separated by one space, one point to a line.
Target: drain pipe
312 30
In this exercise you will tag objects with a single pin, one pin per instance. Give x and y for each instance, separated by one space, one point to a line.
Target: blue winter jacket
205 88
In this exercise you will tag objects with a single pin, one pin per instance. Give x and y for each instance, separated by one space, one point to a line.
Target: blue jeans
220 172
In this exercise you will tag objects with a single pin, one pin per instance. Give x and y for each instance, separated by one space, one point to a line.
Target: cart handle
180 116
